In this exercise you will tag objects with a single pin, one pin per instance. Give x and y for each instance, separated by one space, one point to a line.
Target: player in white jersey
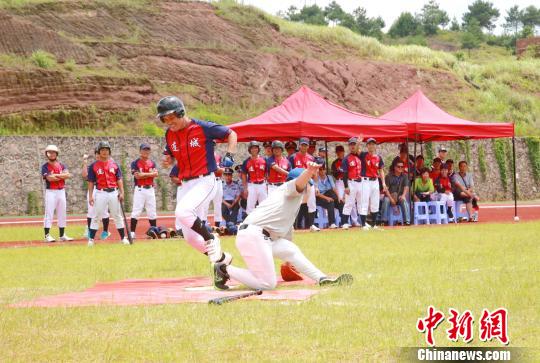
267 232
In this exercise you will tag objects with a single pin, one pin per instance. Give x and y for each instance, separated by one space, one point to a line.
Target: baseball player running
144 171
91 210
105 175
55 174
267 232
253 176
277 167
351 166
189 143
372 171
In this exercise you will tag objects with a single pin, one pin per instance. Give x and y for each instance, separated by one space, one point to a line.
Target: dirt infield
489 213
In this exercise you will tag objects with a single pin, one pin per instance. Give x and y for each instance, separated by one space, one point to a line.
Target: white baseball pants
91 209
144 198
353 198
258 252
256 193
55 200
216 202
103 201
370 197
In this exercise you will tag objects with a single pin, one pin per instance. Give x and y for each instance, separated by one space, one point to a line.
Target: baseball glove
153 233
289 273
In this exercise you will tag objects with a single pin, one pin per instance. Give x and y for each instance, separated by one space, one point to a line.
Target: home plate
196 289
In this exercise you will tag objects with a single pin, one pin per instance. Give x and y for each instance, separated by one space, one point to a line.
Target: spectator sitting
423 186
243 199
435 169
464 190
231 197
443 152
321 157
398 193
327 196
443 190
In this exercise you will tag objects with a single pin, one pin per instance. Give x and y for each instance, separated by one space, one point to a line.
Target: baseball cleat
132 234
213 249
49 238
125 241
104 235
220 276
367 227
341 280
90 242
333 226
66 238
314 228
346 226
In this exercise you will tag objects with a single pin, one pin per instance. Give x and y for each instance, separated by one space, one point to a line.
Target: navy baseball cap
144 146
353 140
227 171
267 144
322 149
340 148
371 139
312 143
303 141
290 145
442 148
295 173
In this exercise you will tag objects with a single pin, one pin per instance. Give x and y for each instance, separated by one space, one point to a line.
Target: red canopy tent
307 114
427 122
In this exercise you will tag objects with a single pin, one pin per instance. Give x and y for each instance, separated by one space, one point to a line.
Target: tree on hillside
365 25
484 12
405 25
472 36
308 14
454 26
432 17
531 16
513 19
334 12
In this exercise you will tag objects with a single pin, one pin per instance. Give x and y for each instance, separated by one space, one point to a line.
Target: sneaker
86 233
475 217
213 249
49 238
66 238
378 228
220 277
333 226
132 234
367 227
125 241
346 226
90 242
314 228
344 279
104 235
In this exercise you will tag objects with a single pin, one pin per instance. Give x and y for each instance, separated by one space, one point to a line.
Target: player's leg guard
105 222
133 224
153 222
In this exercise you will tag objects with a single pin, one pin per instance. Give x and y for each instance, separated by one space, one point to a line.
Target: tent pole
515 176
412 182
326 147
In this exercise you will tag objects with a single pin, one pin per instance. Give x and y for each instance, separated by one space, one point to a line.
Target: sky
389 10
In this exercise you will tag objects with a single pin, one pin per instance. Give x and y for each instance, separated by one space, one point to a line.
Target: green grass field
398 273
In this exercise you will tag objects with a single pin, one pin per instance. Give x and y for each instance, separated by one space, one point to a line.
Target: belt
260 182
145 186
108 190
264 231
276 184
366 178
356 180
55 189
195 177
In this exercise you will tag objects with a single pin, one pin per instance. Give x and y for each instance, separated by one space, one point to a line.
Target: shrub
43 59
500 155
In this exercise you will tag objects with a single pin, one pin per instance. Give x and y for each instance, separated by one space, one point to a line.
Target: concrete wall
22 157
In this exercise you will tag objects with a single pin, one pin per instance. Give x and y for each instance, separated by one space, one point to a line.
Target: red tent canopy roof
427 122
307 114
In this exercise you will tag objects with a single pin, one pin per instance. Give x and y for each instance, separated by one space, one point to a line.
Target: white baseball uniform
55 194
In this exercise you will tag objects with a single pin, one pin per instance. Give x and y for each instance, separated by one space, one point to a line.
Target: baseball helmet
170 104
267 144
290 145
103 145
295 173
51 148
153 232
340 148
279 144
290 273
253 144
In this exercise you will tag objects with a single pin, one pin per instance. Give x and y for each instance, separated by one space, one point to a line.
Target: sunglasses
399 166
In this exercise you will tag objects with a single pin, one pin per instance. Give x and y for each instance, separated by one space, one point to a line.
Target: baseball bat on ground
125 223
226 299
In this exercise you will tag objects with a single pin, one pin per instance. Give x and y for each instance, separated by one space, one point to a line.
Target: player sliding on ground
267 232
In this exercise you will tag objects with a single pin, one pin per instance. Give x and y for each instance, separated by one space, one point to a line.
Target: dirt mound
187 43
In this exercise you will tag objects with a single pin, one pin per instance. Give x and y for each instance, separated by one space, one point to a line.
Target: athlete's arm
304 178
232 141
90 193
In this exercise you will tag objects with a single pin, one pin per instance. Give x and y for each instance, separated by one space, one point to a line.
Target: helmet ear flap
180 112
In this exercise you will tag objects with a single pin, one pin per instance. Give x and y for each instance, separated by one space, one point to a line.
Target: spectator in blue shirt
327 196
231 197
